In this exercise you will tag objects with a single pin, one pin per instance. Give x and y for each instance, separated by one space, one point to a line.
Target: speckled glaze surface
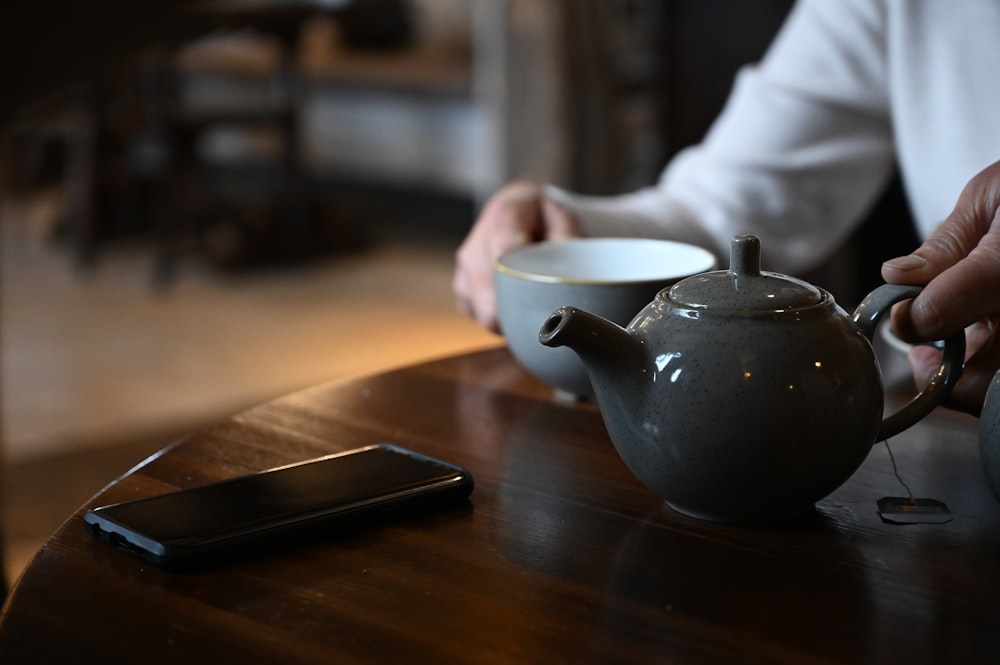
737 395
989 435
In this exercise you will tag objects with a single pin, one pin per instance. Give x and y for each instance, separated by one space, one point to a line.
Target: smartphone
201 524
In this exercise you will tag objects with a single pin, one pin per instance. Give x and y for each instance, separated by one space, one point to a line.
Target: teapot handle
866 317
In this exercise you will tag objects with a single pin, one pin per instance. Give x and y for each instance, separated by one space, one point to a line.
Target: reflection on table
560 556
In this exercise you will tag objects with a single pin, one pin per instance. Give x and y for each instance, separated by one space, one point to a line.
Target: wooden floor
99 370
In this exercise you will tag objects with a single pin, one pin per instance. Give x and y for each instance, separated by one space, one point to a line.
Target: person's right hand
960 266
517 215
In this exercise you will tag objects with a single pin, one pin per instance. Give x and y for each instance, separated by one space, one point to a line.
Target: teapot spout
608 351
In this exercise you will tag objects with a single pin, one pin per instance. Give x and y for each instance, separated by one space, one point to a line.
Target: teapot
741 395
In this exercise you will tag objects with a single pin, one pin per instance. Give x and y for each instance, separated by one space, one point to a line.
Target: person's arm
960 266
802 149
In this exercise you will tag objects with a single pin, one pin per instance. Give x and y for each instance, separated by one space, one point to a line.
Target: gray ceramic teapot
740 395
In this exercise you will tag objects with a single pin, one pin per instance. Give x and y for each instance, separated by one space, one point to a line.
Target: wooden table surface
561 556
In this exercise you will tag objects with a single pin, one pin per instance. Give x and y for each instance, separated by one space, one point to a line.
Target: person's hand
960 266
517 215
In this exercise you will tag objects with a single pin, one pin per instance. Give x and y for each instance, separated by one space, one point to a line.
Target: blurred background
208 204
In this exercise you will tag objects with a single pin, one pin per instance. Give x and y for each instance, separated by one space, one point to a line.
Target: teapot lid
744 287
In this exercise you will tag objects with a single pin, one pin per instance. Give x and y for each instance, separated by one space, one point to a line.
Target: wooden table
560 557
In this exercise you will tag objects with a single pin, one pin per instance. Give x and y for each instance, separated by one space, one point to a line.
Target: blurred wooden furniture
561 555
593 95
133 134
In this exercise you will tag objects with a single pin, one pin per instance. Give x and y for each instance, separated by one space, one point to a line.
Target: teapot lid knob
744 287
744 257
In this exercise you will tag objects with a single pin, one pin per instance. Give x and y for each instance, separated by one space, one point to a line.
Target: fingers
961 232
982 360
959 295
560 224
517 215
505 222
959 264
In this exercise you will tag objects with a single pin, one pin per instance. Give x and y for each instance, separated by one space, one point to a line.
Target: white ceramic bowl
610 277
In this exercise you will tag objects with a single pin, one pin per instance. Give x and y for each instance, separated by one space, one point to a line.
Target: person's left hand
960 266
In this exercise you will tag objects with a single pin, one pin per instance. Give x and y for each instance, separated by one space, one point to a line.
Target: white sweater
810 136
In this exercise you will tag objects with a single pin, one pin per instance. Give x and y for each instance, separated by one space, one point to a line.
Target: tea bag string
895 471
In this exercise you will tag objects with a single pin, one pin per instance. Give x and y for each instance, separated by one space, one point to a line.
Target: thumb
558 222
958 263
963 230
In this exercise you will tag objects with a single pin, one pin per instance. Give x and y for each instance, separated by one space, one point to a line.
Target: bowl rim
500 267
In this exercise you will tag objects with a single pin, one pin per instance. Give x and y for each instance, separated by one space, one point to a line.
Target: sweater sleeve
801 151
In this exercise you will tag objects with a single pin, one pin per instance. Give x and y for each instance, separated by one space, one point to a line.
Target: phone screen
185 522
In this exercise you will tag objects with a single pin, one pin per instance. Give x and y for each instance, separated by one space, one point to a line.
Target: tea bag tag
910 510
